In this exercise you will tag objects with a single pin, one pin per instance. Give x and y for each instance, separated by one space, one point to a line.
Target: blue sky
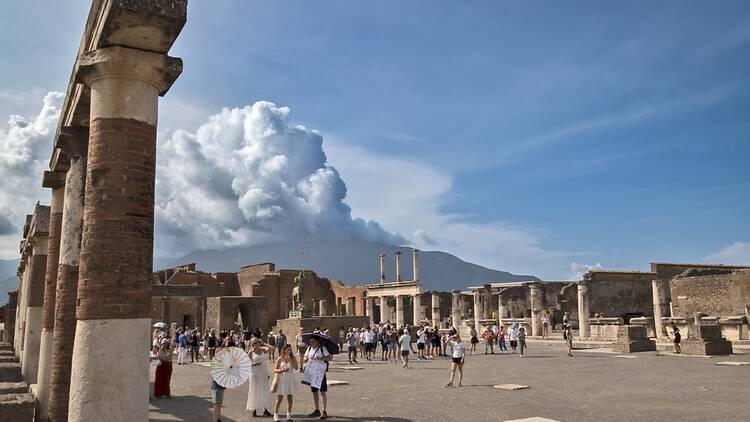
533 137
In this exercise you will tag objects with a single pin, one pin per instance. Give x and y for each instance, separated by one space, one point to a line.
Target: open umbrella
326 341
230 368
160 325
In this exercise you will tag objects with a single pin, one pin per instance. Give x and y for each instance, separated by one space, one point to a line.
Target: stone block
729 363
13 388
10 372
705 332
633 338
17 407
511 387
706 348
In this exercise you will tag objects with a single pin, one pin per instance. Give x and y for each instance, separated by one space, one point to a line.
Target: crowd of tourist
385 342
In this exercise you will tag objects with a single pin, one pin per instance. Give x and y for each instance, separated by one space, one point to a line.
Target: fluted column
415 264
584 330
535 294
399 311
370 309
477 308
56 181
398 265
435 310
660 306
114 292
382 268
417 309
350 303
456 308
35 300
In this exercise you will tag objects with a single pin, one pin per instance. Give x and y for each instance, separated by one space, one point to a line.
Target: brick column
199 313
35 299
398 265
435 310
399 311
56 181
417 309
456 308
584 330
110 379
67 285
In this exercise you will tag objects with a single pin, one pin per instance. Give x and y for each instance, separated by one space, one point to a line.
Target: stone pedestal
633 338
305 313
705 340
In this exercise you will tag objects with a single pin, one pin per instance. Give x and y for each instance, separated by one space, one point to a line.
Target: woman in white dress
257 396
287 384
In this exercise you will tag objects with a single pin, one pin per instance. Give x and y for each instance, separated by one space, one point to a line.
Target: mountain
352 261
8 279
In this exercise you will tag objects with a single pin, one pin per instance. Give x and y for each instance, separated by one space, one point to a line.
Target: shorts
513 343
217 396
420 346
677 339
391 347
352 349
323 386
459 361
404 353
370 347
474 340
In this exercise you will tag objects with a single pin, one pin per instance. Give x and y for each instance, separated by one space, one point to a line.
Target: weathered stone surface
532 419
337 382
705 339
17 407
351 368
732 363
633 338
511 387
10 372
13 388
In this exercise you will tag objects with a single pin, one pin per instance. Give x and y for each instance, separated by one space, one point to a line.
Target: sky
541 138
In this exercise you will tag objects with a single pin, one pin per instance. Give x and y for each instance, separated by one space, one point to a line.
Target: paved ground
591 386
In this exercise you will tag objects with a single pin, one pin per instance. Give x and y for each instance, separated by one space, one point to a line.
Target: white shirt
321 351
369 337
458 349
513 334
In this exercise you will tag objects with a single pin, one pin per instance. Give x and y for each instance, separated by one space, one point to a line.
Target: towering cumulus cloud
25 147
247 177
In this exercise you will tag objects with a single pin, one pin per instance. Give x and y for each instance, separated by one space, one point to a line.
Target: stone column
322 307
370 309
350 305
114 293
387 313
199 313
20 307
55 181
165 310
502 307
436 310
398 265
660 306
487 302
10 320
399 311
583 311
477 308
415 264
382 268
67 284
417 309
35 300
455 308
535 296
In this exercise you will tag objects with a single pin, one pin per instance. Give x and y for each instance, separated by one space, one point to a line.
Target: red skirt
162 379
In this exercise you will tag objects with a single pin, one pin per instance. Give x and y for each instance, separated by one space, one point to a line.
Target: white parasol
160 325
231 367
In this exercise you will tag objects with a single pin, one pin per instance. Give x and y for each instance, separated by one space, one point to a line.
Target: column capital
53 179
155 69
74 140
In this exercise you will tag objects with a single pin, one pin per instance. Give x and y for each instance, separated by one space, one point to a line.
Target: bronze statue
298 297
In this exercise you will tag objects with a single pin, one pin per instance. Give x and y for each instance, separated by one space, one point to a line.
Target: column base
43 378
31 343
110 371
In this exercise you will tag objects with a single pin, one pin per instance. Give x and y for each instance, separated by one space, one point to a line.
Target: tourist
369 343
436 342
299 340
405 341
155 341
217 398
285 382
257 395
385 341
361 343
182 342
351 340
545 326
317 351
163 376
212 343
272 342
444 342
420 343
195 346
474 341
513 337
568 337
204 342
501 340
229 341
677 338
489 339
393 344
257 333
521 340
566 318
457 361
342 338
280 341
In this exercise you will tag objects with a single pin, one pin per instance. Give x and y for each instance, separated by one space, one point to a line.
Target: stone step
10 372
6 346
13 388
17 407
8 359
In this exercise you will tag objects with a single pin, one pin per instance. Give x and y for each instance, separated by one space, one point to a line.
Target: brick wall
619 294
715 295
36 280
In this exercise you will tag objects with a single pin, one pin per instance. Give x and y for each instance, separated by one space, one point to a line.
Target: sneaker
324 415
289 417
450 384
275 417
314 414
254 414
266 413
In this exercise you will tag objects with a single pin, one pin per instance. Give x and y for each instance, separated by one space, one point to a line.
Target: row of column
386 313
414 262
84 338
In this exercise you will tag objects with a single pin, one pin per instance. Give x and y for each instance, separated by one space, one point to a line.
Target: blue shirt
182 340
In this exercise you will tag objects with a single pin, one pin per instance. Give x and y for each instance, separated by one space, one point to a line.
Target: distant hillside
352 261
8 279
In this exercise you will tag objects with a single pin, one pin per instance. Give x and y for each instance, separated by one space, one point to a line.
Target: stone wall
222 312
342 293
620 294
713 292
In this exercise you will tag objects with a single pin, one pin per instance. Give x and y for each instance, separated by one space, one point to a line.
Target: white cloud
738 253
248 177
25 146
577 270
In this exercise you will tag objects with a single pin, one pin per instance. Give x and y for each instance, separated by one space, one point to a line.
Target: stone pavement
590 386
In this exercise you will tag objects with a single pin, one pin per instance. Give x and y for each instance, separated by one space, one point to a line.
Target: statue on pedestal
298 298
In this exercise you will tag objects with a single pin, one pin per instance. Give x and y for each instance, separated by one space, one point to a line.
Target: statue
298 296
